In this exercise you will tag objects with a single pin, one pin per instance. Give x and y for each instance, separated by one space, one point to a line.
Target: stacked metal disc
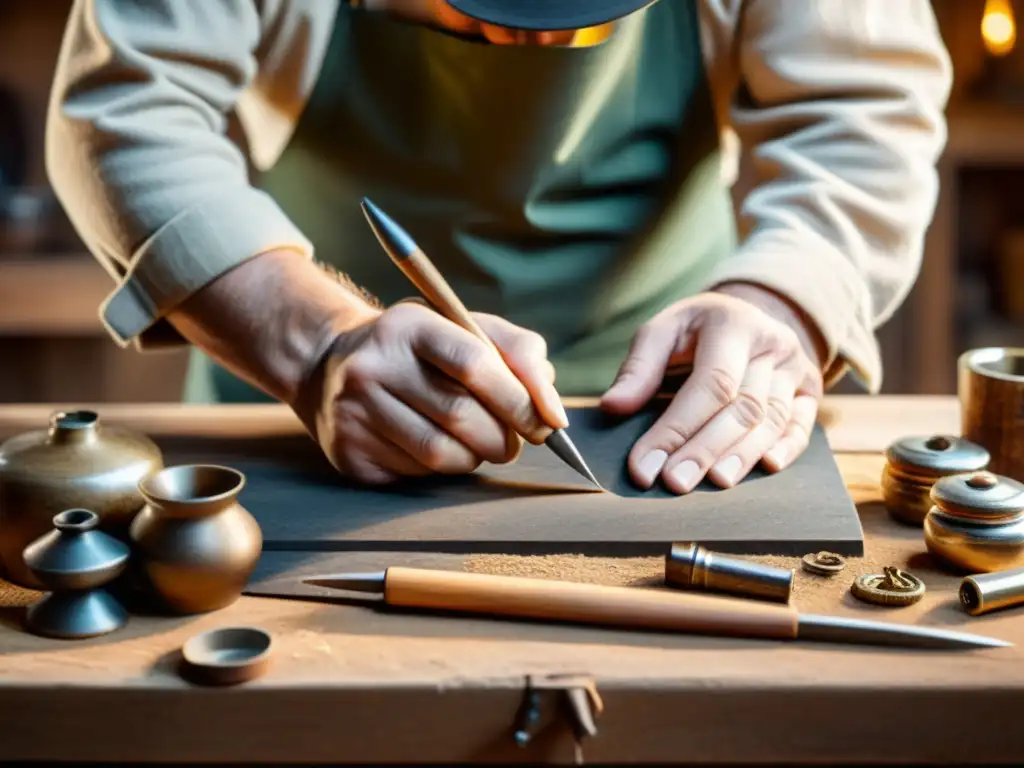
914 464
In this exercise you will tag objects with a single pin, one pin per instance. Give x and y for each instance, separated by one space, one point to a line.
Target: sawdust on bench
810 591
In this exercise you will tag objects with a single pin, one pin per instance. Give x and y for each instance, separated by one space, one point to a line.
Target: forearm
840 112
137 150
270 320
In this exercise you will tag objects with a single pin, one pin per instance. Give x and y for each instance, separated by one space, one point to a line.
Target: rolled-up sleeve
839 107
138 152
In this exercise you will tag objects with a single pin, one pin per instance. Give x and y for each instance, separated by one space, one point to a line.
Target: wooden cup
991 391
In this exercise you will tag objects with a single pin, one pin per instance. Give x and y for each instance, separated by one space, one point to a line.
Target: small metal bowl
227 656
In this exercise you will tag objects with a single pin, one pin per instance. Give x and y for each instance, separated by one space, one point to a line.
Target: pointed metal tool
560 444
633 607
415 265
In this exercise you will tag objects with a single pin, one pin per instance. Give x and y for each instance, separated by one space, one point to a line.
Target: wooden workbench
353 684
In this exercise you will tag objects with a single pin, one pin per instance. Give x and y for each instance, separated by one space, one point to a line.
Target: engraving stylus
414 263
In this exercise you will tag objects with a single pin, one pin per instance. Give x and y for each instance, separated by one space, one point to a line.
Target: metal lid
981 496
937 455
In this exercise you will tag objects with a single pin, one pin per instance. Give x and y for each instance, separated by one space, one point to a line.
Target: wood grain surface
356 683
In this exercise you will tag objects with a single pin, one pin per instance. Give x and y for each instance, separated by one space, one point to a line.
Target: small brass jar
977 523
78 462
912 466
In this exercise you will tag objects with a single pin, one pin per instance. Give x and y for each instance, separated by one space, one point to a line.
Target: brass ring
893 587
823 563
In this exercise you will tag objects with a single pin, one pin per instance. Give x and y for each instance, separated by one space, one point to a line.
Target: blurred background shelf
985 133
53 346
51 295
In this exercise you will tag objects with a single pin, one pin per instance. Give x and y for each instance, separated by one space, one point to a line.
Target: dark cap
547 14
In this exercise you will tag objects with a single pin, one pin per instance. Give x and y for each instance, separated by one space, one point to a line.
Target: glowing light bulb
998 27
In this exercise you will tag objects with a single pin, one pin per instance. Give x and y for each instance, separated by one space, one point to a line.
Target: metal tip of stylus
585 470
559 442
351 582
395 240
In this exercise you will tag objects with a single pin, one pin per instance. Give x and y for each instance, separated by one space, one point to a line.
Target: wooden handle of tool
431 284
587 603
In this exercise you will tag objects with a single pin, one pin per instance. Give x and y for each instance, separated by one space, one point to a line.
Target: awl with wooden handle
631 607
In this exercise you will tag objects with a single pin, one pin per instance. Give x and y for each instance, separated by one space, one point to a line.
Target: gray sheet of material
537 505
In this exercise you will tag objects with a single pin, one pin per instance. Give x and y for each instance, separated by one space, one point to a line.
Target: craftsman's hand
410 393
752 396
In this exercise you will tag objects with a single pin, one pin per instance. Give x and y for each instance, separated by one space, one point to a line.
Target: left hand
752 397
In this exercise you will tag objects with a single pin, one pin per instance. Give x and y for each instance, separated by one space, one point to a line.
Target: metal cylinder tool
690 566
987 592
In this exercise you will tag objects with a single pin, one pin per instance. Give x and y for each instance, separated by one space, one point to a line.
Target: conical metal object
560 444
75 561
840 629
368 583
76 615
394 239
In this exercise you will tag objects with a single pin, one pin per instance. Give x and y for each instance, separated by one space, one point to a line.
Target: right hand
411 393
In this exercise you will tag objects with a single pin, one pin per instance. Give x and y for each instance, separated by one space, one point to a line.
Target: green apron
573 191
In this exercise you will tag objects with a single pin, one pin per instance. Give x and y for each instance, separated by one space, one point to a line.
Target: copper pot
991 391
196 545
78 462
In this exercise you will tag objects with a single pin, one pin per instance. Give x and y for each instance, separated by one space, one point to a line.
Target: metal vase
196 546
77 462
75 561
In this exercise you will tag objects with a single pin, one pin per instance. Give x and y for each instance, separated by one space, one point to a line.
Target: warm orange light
998 27
592 35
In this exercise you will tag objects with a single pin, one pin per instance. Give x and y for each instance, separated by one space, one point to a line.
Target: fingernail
728 469
686 475
513 445
650 466
776 456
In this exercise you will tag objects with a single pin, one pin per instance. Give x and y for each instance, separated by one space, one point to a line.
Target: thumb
642 371
526 354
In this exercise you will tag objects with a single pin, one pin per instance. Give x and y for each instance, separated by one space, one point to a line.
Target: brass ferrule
690 566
